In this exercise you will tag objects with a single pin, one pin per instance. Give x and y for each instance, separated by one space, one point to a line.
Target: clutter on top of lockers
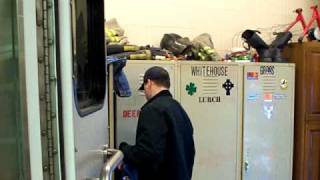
267 53
201 48
114 33
280 35
241 54
173 46
204 47
259 50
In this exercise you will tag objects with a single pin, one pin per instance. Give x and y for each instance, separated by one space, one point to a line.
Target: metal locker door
211 94
268 121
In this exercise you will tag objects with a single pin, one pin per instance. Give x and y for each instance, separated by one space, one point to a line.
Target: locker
211 93
268 121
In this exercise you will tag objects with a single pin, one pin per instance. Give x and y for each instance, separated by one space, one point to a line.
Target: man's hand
122 145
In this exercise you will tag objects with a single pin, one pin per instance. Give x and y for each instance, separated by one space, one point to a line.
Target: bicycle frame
315 17
299 18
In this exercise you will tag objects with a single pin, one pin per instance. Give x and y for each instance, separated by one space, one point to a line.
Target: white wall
145 21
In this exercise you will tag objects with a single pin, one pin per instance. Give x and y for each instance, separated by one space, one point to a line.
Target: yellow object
130 48
141 56
110 32
115 39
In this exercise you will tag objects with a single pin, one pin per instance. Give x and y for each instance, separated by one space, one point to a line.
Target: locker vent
269 83
140 93
140 79
210 86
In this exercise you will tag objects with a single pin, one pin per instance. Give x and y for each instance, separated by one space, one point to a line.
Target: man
164 148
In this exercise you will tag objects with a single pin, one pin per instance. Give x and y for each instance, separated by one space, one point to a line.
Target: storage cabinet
307 109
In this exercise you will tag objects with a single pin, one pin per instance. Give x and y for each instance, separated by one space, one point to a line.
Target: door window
88 55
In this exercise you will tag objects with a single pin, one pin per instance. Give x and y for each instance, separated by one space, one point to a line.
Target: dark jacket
164 148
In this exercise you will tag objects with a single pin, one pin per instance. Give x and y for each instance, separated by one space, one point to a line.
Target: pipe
111 164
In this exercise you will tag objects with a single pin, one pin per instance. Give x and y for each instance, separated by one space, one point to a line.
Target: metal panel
211 94
268 121
91 135
127 109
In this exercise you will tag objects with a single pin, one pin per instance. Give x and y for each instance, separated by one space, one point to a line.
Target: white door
90 102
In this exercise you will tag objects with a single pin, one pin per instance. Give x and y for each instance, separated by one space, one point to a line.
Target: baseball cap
156 73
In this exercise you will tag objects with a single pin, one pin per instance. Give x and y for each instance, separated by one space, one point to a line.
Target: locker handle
246 166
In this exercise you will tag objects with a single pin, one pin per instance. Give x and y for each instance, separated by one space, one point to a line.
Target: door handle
102 151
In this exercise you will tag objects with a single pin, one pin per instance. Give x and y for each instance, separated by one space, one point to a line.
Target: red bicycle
313 33
299 18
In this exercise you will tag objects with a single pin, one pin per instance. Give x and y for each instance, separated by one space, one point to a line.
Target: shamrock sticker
191 88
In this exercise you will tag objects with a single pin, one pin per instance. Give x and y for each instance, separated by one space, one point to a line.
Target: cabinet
307 109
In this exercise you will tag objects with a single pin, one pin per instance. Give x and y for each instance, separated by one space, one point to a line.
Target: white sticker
268 110
283 84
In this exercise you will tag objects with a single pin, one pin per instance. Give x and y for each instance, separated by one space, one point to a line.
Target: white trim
32 89
66 84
